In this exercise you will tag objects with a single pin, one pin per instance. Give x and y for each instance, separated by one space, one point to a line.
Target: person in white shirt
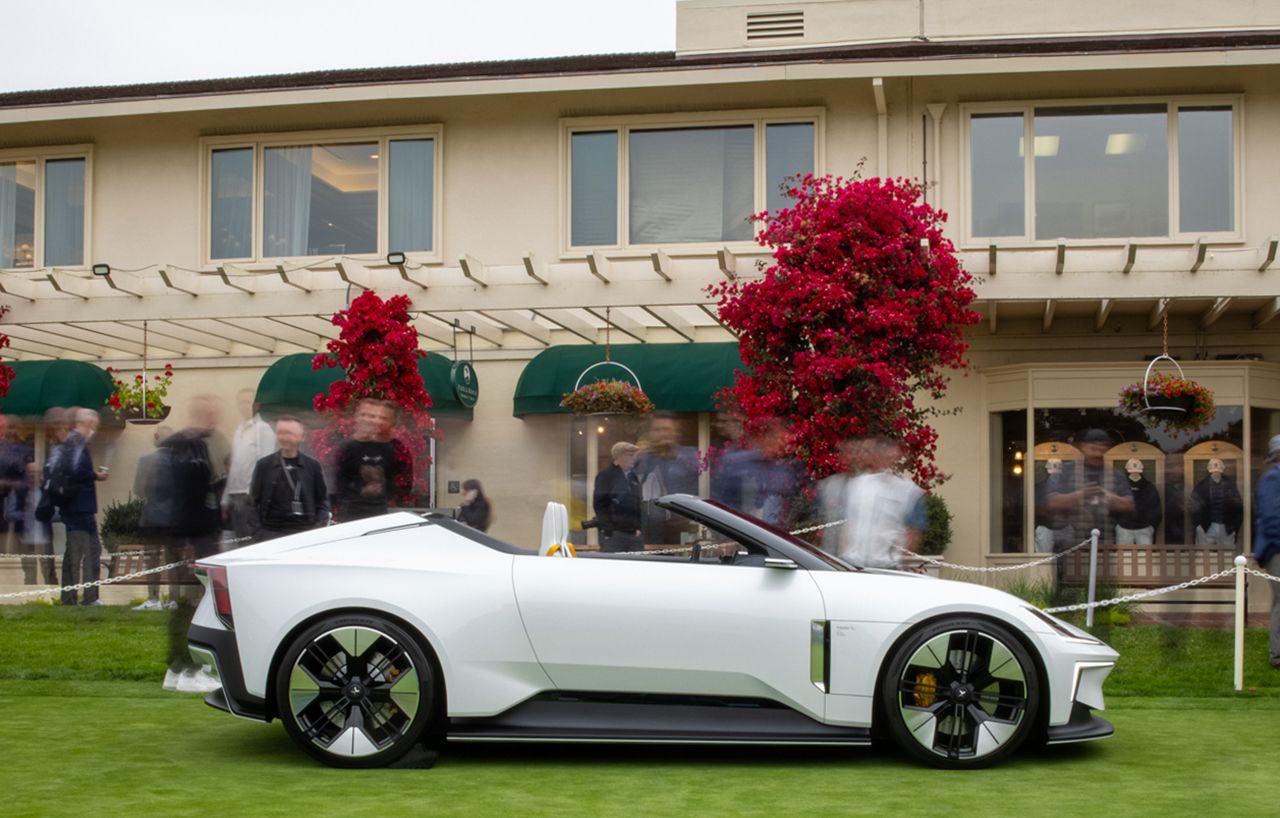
884 513
254 439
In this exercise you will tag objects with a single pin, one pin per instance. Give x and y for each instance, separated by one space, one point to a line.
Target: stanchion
1093 575
1241 562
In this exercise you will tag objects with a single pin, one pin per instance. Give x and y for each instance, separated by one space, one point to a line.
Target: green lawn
88 731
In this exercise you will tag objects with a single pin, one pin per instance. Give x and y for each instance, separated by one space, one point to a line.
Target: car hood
897 596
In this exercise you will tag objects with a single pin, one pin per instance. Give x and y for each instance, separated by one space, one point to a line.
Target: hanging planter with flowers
608 396
1170 402
140 399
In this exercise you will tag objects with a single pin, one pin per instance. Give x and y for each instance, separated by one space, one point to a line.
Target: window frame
624 125
1175 236
259 142
41 156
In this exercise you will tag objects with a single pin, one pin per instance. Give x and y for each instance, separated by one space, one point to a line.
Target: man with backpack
71 483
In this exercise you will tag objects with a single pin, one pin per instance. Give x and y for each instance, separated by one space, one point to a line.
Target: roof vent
775 25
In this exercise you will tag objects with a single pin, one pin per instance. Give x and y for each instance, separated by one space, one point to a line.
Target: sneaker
197 681
170 605
149 605
94 603
171 679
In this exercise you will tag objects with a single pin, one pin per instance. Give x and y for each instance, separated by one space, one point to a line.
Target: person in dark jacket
1266 537
1216 507
616 501
475 511
1138 527
287 492
79 508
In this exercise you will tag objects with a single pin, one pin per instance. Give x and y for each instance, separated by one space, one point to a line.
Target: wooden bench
1154 566
129 559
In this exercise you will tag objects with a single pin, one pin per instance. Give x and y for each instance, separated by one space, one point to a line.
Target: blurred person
1138 527
35 535
367 465
1093 497
831 489
57 425
1053 530
76 481
186 486
1266 537
615 500
287 492
253 440
152 538
665 466
1216 507
883 512
755 477
14 457
475 511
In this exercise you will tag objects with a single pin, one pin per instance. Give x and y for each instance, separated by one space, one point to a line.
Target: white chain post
1240 562
1093 575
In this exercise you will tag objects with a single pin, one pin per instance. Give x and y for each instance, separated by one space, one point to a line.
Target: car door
662 624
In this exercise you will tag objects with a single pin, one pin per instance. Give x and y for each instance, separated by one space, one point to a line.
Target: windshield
835 563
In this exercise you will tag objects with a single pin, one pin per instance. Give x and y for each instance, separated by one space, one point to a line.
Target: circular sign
466 386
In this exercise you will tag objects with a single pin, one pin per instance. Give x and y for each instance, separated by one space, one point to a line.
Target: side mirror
780 562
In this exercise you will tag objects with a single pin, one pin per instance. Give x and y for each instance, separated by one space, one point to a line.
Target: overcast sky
63 43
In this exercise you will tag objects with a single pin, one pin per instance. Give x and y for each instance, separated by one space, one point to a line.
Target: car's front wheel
961 693
355 691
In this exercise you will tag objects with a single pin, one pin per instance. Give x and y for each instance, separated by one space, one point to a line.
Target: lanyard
296 488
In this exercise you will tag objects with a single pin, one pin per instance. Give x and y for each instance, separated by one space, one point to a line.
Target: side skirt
653 719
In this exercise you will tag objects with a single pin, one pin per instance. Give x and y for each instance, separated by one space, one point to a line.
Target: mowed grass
87 730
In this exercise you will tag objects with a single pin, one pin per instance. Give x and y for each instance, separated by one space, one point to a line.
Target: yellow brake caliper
926 690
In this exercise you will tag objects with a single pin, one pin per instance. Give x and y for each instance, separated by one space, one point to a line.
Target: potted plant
1171 402
608 398
937 531
138 399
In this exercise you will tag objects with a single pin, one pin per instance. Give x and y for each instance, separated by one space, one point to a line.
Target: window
335 195
1104 171
656 182
43 205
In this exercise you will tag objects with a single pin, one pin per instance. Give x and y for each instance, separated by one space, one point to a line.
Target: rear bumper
217 648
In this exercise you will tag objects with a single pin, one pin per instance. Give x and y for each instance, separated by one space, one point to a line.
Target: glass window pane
64 212
17 214
692 184
320 200
1102 172
411 194
231 204
1206 170
788 152
997 174
1008 459
593 193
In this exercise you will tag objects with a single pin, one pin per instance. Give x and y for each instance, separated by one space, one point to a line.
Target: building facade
1105 167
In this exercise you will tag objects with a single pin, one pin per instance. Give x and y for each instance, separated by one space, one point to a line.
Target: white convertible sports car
372 636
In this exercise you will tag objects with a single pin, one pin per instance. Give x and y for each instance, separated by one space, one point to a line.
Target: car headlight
1064 629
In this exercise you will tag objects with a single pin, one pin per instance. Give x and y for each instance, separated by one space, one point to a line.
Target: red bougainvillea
860 315
6 372
378 348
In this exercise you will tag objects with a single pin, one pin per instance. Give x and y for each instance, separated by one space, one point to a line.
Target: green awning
41 385
291 385
676 377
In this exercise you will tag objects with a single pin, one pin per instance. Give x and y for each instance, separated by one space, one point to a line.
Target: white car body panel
600 624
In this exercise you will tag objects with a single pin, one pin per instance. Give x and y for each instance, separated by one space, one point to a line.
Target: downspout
935 113
882 128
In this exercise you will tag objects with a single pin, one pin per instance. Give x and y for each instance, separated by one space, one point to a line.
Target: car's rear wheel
961 693
355 691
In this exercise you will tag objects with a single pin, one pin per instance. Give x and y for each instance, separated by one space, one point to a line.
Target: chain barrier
995 569
1263 574
59 556
86 585
1181 586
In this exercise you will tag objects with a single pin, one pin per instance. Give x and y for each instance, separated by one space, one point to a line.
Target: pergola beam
1198 251
1158 312
126 283
433 331
20 287
70 284
661 264
537 270
474 269
599 266
243 279
353 272
728 263
1130 256
118 329
1104 312
622 322
181 280
466 324
673 320
1214 313
993 316
1268 253
518 323
1271 310
128 346
53 339
1050 306
569 322
713 312
184 333
271 328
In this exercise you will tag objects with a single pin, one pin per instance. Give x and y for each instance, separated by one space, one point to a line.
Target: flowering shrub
1196 402
608 397
127 399
861 312
378 348
6 372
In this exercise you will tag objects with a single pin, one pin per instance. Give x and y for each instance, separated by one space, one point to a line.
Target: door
662 624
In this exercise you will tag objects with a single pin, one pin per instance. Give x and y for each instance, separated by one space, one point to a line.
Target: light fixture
395 259
1017 470
1017 456
373 156
102 269
1122 143
599 430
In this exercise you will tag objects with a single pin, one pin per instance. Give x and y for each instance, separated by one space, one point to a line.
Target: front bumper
217 648
1084 726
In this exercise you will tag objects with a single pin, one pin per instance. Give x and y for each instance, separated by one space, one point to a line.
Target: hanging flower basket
1171 402
608 398
134 404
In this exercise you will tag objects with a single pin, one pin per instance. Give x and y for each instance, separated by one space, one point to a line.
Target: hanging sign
466 386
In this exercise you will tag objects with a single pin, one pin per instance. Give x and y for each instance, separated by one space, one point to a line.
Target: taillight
216 582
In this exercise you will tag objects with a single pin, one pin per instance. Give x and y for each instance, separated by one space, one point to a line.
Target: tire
960 693
356 690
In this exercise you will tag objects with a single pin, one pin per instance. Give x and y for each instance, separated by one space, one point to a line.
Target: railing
1141 566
